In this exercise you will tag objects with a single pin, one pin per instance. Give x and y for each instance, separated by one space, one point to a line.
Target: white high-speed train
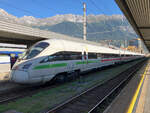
58 58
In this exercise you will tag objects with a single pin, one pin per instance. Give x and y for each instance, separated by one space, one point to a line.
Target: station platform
135 96
141 100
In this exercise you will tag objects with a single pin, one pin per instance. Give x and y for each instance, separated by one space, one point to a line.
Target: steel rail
60 107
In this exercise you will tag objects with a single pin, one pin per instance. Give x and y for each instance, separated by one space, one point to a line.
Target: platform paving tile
143 105
147 97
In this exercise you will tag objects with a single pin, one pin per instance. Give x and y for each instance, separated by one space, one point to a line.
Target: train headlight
26 66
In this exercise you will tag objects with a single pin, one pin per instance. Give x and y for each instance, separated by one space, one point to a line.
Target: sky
48 8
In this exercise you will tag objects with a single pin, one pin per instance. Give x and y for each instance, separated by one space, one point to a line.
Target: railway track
22 91
12 95
88 101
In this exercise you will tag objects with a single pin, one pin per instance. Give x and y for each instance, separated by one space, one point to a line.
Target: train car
4 63
11 57
58 58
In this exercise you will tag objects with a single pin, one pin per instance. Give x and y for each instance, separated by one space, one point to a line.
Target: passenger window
99 55
92 55
64 55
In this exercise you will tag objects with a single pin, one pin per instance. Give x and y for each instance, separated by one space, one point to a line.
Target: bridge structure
19 34
138 14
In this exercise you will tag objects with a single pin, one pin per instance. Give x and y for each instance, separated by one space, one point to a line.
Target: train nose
18 76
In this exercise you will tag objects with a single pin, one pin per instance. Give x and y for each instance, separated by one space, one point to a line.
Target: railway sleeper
83 100
67 110
80 103
92 101
86 104
78 108
61 78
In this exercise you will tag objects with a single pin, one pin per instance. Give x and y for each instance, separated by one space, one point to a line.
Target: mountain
105 28
99 27
32 21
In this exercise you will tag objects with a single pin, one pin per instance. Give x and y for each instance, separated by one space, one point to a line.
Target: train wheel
77 74
61 78
73 75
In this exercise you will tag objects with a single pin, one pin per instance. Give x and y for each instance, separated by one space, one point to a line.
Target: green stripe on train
81 62
93 61
62 64
50 66
85 62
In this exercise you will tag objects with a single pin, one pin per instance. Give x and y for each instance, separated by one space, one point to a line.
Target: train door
99 57
92 60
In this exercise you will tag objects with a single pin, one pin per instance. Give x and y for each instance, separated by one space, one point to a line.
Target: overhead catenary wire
100 10
95 5
46 7
88 9
29 12
90 26
101 32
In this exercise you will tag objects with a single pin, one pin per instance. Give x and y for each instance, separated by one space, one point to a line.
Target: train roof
104 49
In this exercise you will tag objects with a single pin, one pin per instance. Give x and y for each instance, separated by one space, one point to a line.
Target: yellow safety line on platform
130 109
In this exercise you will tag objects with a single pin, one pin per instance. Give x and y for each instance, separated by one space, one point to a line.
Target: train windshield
34 50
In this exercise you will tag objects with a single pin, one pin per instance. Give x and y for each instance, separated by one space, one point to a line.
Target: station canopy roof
138 14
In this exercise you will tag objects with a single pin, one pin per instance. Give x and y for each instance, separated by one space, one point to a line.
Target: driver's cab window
53 58
45 60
